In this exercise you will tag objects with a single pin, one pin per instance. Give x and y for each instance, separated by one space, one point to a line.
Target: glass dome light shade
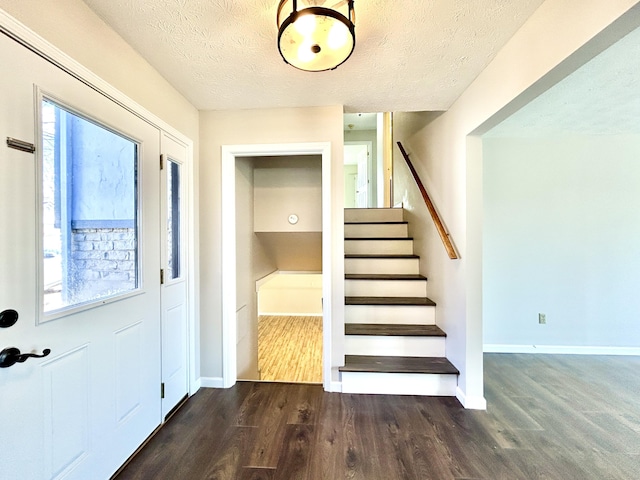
315 38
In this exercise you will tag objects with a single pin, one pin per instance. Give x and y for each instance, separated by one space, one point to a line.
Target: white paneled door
358 154
79 241
362 182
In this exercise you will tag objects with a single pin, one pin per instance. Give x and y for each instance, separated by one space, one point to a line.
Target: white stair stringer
392 343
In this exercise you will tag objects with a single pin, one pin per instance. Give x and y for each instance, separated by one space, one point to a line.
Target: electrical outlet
542 318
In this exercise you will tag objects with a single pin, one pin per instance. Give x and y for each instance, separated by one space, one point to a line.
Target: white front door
174 292
79 412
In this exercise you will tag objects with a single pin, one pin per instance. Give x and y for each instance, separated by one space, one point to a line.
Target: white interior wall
281 192
291 294
72 26
287 186
561 237
252 264
549 46
268 126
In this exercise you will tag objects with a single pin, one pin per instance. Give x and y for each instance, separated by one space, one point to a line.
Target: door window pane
89 210
173 219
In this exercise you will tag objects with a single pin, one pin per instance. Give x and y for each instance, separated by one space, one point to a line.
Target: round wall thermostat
293 219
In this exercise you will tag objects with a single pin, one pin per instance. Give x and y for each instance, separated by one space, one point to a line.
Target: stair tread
381 255
378 364
369 222
393 239
420 301
384 276
387 330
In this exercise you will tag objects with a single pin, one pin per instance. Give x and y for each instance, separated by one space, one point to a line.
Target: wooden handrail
444 236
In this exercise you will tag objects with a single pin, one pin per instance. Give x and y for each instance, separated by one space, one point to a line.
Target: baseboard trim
471 403
195 386
335 387
211 382
289 314
561 349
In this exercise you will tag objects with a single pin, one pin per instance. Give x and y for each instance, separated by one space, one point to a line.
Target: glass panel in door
173 219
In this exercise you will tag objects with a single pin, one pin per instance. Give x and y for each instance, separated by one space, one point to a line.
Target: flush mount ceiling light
313 36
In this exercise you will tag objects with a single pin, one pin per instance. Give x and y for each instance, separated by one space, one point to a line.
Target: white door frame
46 50
228 191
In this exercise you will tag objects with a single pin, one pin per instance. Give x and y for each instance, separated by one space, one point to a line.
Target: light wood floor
290 349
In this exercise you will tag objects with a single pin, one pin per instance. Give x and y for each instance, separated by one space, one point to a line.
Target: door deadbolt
8 318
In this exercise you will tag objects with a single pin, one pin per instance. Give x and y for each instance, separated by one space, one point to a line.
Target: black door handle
11 356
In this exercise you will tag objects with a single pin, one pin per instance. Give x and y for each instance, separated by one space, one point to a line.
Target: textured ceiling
600 98
410 55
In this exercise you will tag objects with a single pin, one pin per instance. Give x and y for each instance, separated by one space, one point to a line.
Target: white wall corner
194 386
335 387
211 382
471 403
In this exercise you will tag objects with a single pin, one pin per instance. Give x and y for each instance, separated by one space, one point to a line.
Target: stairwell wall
447 152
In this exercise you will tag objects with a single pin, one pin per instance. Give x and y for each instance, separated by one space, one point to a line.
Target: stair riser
373 215
382 230
408 266
394 346
407 314
385 288
378 247
400 383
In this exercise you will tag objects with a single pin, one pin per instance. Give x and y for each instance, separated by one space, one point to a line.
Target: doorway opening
276 223
278 229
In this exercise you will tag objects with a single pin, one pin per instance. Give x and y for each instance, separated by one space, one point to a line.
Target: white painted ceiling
600 98
410 55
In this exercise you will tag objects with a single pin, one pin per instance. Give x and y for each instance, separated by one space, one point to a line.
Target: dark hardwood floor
549 417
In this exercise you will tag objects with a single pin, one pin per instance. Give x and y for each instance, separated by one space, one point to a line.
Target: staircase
392 342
